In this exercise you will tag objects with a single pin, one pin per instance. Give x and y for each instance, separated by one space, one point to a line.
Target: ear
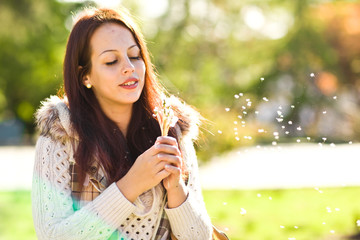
85 78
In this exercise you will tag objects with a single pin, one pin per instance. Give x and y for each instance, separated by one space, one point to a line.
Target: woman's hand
149 168
174 184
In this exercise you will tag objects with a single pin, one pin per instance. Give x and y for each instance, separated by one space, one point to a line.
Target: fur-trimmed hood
53 118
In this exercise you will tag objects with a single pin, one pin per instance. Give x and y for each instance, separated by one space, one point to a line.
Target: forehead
111 36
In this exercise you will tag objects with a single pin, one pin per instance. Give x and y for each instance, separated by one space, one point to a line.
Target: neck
121 115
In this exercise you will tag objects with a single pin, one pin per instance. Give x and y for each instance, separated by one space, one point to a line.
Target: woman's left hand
174 183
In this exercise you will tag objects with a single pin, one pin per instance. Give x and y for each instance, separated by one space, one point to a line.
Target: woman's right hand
149 168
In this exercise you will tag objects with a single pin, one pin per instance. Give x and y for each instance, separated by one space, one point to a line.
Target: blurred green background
260 72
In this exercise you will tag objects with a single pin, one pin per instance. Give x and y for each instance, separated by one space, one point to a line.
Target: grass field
301 214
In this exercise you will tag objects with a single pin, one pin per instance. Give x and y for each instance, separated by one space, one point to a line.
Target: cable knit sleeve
190 220
54 217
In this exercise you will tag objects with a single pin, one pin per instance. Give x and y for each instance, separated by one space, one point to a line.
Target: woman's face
117 69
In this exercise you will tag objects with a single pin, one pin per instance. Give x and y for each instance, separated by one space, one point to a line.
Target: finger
172 169
172 159
165 148
167 140
162 174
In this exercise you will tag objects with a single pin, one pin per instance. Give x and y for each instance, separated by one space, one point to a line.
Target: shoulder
189 118
53 119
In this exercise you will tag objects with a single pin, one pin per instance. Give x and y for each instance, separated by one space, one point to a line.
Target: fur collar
53 118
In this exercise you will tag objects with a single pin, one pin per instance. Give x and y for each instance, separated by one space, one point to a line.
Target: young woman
101 169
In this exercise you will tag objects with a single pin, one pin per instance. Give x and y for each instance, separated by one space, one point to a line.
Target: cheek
140 68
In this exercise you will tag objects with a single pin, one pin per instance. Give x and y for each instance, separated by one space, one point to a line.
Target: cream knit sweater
53 213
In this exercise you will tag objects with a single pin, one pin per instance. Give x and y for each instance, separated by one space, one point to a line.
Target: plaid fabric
93 186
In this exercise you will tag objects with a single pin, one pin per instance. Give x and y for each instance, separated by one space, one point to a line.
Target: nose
128 67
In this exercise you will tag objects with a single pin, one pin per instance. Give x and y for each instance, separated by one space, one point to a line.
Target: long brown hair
99 137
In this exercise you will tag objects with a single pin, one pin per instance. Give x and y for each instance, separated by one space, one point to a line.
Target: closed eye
111 63
135 58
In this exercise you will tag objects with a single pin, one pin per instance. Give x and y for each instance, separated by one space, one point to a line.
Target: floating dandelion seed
298 128
312 74
280 107
324 139
236 133
276 137
289 122
298 140
283 127
320 145
328 209
236 96
279 112
235 122
226 229
258 195
219 131
261 130
235 129
239 116
334 97
244 112
296 227
270 198
262 79
256 112
224 203
243 122
358 223
287 132
308 138
279 119
274 143
276 134
281 226
265 99
291 238
227 109
337 209
241 94
324 112
237 138
243 107
332 145
332 231
324 223
249 104
242 211
292 106
350 142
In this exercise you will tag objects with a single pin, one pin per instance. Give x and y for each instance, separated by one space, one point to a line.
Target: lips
131 83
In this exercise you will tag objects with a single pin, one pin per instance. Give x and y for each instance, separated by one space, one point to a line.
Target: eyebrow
114 50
